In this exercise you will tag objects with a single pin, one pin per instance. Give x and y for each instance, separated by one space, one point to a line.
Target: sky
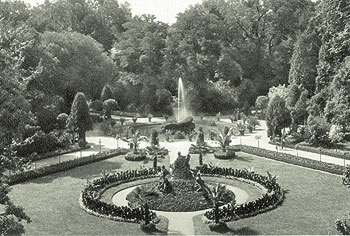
164 10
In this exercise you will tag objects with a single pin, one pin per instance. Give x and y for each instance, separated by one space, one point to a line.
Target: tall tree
338 107
72 62
79 119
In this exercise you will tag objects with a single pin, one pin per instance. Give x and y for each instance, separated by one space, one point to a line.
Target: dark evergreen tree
79 119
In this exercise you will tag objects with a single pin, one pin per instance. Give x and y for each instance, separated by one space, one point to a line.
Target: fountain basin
186 125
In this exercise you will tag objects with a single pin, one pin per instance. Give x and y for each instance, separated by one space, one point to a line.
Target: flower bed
292 159
268 201
224 155
90 196
343 226
63 166
185 199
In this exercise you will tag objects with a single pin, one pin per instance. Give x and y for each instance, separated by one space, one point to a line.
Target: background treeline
227 52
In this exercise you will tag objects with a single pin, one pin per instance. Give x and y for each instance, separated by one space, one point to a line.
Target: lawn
314 200
52 202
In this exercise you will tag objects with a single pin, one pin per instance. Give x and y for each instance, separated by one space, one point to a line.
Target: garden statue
181 167
164 184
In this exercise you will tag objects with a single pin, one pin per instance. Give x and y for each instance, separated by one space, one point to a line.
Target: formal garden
232 120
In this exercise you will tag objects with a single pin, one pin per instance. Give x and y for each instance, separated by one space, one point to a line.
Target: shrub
96 105
108 106
135 156
317 130
179 135
43 143
252 122
212 123
241 128
106 93
62 120
154 137
96 118
229 154
336 134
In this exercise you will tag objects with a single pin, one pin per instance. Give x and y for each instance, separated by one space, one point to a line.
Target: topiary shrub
154 137
135 156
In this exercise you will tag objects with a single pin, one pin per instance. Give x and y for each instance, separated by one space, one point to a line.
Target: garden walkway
102 143
250 140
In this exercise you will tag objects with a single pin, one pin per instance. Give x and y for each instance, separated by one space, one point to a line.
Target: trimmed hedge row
63 166
58 152
268 201
328 152
292 159
90 197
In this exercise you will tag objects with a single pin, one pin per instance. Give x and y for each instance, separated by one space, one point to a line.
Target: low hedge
324 151
127 114
90 196
292 159
63 166
269 201
73 148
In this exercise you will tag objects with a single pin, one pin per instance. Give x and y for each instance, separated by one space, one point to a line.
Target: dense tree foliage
72 62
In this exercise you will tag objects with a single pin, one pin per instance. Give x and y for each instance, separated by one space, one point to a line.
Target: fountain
184 122
182 112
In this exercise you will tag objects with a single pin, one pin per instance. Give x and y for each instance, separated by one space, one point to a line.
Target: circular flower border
90 196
